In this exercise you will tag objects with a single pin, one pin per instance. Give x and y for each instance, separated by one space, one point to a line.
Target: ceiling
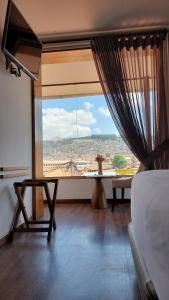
53 18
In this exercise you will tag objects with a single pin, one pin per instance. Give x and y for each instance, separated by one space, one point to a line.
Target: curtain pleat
132 74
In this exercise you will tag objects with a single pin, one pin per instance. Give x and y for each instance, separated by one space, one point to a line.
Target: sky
76 117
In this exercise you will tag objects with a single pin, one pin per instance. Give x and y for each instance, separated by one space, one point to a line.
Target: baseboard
126 200
71 201
7 237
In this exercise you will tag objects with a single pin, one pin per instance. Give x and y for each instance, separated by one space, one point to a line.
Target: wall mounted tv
20 44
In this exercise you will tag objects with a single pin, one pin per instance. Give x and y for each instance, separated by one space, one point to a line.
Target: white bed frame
146 286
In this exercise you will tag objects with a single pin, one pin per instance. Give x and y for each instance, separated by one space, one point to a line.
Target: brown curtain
131 71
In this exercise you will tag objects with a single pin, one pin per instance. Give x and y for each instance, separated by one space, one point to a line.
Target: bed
149 232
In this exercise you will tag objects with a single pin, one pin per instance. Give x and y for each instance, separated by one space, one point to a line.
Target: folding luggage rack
20 189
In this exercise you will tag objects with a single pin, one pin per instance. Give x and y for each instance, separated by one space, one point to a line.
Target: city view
75 131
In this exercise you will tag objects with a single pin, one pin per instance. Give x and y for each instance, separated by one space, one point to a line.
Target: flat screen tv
20 44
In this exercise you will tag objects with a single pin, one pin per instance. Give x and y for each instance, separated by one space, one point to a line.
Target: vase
100 171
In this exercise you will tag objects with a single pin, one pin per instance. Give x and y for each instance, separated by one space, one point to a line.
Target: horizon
76 117
84 137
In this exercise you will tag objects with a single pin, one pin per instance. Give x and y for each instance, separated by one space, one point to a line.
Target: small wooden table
99 200
98 194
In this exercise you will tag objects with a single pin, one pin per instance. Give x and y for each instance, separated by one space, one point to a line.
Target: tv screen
20 44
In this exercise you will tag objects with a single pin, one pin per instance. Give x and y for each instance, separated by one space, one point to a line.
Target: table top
104 176
85 177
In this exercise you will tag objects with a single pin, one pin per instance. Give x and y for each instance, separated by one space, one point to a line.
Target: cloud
58 122
97 131
88 105
104 111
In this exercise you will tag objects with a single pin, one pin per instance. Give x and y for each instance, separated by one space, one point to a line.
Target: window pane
75 131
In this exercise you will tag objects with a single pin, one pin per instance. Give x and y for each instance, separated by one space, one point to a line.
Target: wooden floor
89 258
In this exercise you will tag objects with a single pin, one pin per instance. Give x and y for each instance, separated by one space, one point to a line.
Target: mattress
150 223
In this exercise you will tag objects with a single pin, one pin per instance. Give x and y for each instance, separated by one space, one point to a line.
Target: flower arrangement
99 158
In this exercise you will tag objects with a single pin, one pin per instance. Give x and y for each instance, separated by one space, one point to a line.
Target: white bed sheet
150 220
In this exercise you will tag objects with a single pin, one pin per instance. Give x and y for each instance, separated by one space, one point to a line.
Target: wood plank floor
89 258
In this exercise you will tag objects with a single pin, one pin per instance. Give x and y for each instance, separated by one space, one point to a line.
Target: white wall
82 189
15 133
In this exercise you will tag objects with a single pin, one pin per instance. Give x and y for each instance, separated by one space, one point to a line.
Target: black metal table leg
122 193
114 199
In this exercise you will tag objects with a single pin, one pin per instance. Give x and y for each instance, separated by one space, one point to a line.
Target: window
76 121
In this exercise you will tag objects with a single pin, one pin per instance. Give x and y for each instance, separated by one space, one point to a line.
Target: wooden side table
20 188
98 195
99 200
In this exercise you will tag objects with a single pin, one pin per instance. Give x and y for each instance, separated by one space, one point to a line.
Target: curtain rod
70 83
72 41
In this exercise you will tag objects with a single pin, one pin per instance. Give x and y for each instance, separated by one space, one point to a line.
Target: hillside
107 145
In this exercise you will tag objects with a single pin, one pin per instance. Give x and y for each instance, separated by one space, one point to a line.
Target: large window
77 125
